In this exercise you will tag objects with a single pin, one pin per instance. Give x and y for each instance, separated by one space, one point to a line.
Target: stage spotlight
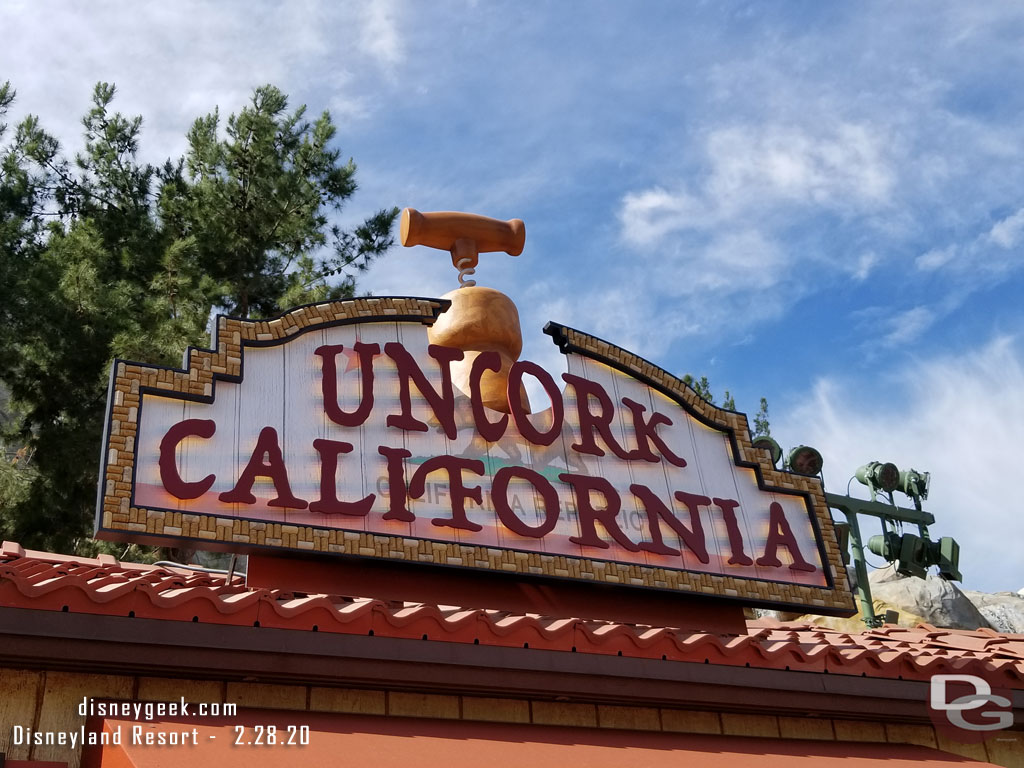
910 554
913 555
915 484
948 556
879 477
804 460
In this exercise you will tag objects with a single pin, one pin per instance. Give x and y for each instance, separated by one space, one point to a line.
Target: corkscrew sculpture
464 235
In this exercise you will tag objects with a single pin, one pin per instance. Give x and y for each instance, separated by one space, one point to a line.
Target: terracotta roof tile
104 586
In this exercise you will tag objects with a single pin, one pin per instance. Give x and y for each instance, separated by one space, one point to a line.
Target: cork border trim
736 426
117 518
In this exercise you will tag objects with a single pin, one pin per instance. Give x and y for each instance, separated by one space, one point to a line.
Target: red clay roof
105 586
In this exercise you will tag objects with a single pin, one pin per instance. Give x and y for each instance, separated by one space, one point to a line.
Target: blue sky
819 203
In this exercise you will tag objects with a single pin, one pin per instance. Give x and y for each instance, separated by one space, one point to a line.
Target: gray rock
765 613
1004 610
939 602
884 576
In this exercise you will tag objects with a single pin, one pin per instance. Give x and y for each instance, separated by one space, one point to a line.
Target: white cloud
733 262
648 216
936 258
957 416
755 168
175 61
852 163
1008 232
866 263
844 167
680 291
976 262
379 36
718 243
619 315
907 326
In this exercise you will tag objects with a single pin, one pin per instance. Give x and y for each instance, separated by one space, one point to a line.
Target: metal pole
867 605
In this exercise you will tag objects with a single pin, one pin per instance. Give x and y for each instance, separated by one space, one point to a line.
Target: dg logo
953 696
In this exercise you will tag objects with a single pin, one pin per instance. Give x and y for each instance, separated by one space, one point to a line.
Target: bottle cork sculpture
480 319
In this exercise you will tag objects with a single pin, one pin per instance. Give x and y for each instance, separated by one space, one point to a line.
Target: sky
817 203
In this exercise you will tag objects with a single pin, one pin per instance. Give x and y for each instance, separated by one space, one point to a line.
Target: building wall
48 701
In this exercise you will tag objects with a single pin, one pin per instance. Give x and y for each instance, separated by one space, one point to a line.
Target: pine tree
703 388
255 203
729 403
761 426
104 256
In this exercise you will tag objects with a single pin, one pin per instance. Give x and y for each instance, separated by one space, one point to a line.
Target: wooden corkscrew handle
464 235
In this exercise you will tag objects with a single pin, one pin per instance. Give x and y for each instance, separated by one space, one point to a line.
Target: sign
337 428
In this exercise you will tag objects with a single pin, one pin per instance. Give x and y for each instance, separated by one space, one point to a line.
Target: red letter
443 404
728 507
396 484
645 434
489 431
591 422
169 469
328 503
583 485
453 465
329 382
499 495
515 402
266 461
692 537
780 534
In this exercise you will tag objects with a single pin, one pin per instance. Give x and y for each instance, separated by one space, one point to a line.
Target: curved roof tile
52 582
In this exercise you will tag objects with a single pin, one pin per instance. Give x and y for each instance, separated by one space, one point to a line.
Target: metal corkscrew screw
466 268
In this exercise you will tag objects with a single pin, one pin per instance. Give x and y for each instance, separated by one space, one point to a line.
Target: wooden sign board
335 429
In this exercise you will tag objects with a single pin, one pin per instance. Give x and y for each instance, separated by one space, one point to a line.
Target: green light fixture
913 555
879 477
910 554
947 555
915 484
804 460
